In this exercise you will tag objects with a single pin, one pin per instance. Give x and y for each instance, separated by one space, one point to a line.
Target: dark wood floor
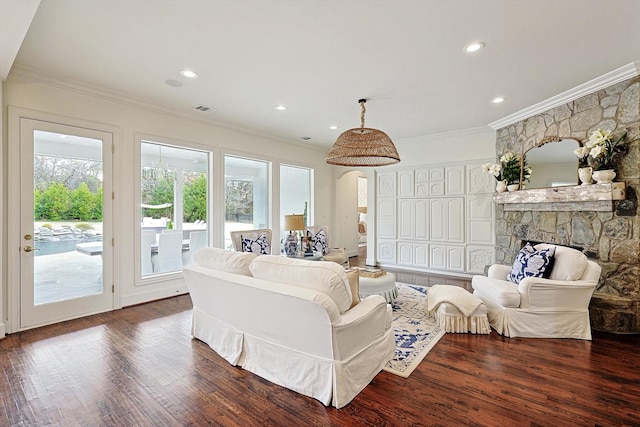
139 367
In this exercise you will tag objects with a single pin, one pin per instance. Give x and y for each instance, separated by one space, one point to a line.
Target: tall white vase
585 175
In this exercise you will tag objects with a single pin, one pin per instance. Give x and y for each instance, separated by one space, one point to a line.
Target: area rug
416 333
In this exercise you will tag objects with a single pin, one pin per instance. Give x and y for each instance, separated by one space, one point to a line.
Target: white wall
473 145
132 120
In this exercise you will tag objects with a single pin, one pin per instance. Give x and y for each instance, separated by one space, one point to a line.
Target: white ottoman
446 304
384 285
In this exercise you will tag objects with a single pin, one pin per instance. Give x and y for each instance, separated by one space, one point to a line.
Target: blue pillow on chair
259 245
532 263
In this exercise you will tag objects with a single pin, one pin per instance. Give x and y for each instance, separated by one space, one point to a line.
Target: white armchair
320 241
557 307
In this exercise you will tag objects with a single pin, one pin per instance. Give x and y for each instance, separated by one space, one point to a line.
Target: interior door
66 247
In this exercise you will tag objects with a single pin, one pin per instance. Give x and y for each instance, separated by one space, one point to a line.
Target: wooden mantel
595 197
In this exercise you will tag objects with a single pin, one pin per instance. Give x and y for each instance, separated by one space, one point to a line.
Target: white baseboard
3 332
148 296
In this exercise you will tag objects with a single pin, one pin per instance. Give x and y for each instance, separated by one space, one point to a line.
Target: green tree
195 199
82 203
96 211
53 203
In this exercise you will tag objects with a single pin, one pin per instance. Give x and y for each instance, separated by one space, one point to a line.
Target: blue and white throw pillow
320 242
532 263
259 245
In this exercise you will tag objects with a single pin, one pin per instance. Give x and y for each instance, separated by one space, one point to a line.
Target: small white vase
501 186
513 187
604 176
585 175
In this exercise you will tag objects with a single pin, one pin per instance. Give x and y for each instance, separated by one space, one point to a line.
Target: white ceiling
318 57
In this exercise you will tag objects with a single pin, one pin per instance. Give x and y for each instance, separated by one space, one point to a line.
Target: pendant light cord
362 111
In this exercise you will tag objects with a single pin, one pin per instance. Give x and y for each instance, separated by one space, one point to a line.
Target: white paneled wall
439 217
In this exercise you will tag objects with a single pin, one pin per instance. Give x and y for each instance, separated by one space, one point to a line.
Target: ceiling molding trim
28 74
438 136
616 76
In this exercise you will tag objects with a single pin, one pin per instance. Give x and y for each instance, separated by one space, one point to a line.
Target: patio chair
197 241
148 238
169 252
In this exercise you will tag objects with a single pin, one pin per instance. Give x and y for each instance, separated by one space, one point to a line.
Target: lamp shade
363 146
294 222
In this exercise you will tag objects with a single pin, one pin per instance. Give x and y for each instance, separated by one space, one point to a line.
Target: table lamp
292 223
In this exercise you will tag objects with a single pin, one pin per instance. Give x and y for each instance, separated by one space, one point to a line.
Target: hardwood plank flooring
139 366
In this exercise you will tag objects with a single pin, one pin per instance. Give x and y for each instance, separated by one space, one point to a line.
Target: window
173 200
295 192
246 195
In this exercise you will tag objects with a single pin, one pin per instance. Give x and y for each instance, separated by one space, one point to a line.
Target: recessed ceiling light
498 100
189 73
280 107
334 127
474 47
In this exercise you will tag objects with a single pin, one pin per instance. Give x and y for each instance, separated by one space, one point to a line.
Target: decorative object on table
604 176
584 174
371 272
600 152
363 146
507 172
513 187
415 332
293 223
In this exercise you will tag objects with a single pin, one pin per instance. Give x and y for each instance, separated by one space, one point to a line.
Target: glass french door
66 247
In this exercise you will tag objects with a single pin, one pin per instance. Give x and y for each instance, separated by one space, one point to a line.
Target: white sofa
290 321
557 307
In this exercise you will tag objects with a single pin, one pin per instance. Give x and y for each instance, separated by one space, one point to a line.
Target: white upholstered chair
257 241
320 242
169 252
557 307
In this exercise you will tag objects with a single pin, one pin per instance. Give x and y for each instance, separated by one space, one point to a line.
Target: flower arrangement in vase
507 172
599 153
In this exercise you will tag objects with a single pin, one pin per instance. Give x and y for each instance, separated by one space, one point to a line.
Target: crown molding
29 74
616 76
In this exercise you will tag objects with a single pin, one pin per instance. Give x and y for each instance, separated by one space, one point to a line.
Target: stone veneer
612 239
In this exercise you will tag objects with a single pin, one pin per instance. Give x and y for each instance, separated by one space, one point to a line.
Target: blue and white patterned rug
415 332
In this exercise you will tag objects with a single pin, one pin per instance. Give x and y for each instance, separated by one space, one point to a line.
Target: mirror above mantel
553 164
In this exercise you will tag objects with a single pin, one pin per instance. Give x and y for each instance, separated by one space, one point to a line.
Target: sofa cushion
501 292
219 259
530 262
569 263
354 283
326 277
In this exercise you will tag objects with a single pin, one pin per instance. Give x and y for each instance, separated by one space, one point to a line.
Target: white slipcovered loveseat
290 321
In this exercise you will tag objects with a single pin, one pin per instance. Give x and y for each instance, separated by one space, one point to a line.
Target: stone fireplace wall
612 239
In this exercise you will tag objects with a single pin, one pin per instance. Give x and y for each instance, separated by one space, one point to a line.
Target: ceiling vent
203 108
305 138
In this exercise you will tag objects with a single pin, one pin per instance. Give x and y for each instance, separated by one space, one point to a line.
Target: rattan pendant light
363 146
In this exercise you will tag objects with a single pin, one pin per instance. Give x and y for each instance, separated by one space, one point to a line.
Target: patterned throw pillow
320 242
259 245
532 263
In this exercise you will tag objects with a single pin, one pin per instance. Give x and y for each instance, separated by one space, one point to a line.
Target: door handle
30 249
